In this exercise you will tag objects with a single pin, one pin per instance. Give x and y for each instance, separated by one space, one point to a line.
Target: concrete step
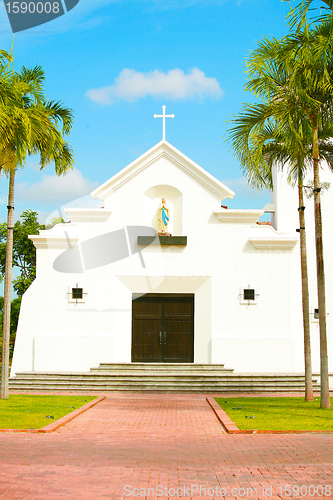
159 366
162 373
157 388
126 376
153 385
175 368
168 377
143 381
103 376
149 380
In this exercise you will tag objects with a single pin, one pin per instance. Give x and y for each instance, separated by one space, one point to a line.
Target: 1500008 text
33 7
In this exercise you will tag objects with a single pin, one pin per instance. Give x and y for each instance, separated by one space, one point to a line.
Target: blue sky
116 62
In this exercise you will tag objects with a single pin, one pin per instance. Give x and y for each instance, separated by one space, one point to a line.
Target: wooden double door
163 328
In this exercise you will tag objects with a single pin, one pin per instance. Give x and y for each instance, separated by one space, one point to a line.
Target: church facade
164 272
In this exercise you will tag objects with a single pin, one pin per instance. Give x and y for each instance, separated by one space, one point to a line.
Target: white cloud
53 189
175 84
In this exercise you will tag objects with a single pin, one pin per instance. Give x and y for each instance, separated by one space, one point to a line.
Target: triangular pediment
166 150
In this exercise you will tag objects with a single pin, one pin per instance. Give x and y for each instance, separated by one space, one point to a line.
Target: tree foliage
14 316
24 251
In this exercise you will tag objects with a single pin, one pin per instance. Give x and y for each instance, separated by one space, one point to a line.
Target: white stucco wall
219 260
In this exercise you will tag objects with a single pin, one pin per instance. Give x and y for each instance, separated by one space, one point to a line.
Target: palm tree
306 90
314 65
7 97
34 126
298 17
260 143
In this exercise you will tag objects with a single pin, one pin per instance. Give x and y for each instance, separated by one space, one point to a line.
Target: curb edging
223 418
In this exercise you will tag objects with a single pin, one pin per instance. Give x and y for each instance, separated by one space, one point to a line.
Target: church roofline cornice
274 243
87 214
150 157
250 216
59 242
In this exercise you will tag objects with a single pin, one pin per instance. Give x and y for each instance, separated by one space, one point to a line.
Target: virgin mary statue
163 218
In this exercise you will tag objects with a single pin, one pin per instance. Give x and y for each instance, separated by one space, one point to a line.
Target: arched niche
174 200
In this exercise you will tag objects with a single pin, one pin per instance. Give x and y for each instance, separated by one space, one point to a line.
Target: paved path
171 441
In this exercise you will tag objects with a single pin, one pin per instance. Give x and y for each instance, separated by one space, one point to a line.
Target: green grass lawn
34 412
277 413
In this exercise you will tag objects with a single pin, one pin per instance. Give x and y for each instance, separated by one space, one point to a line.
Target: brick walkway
175 441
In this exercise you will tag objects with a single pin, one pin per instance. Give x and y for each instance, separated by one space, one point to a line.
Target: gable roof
163 149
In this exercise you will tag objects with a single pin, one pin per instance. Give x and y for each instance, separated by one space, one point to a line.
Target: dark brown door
162 328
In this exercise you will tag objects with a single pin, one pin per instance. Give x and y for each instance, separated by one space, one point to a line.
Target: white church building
221 288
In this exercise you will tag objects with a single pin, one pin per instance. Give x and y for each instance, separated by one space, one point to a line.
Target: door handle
164 333
160 339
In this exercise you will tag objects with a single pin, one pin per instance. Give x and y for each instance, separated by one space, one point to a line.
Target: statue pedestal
162 239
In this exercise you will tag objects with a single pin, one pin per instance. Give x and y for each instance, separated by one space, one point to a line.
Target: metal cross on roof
164 116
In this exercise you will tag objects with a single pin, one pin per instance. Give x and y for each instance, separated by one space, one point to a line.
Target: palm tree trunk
4 394
325 394
305 294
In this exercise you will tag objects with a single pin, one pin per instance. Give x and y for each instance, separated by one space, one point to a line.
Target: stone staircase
159 377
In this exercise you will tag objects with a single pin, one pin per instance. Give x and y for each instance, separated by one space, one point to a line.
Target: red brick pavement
174 441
